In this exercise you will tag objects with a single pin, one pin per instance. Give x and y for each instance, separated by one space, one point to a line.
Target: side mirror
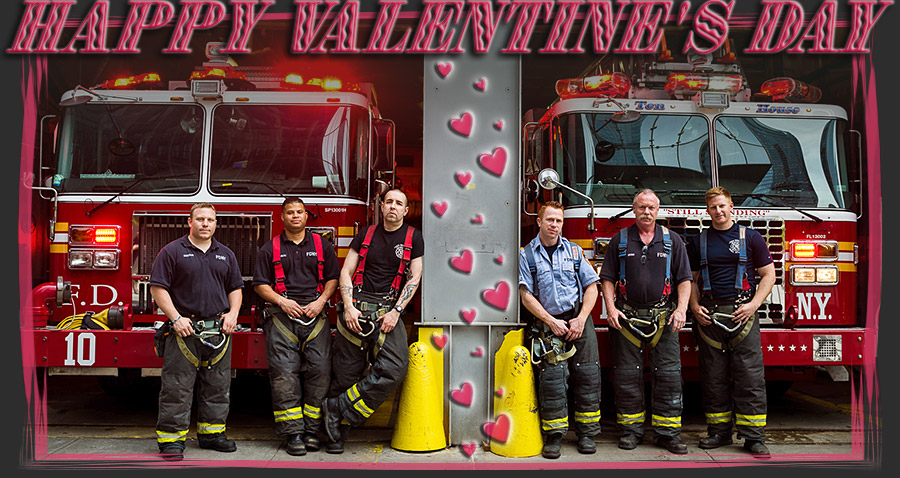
384 145
548 178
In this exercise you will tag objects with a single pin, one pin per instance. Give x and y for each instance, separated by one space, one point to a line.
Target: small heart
468 449
479 352
479 219
464 178
444 68
463 124
467 315
439 341
497 430
499 392
499 259
463 396
498 125
463 262
497 297
481 84
494 162
439 208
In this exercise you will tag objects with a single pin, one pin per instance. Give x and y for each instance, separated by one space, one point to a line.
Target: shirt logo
221 258
310 253
734 246
189 254
398 251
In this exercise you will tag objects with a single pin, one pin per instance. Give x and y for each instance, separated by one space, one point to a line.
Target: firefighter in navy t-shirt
724 298
381 273
296 289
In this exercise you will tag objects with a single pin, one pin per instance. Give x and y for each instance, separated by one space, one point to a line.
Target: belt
366 321
196 362
643 316
731 344
545 345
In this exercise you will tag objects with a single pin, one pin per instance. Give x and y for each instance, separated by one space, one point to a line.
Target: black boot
552 445
715 440
294 445
217 441
332 421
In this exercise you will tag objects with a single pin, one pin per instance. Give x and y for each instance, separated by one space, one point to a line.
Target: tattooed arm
351 314
414 277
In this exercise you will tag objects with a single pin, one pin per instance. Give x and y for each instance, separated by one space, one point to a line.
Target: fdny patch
734 246
398 251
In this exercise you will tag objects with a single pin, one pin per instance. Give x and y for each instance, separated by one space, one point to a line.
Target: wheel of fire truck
131 385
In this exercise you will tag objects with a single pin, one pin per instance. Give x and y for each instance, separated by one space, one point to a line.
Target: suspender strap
276 262
704 262
741 283
623 251
407 253
363 250
320 262
667 248
529 258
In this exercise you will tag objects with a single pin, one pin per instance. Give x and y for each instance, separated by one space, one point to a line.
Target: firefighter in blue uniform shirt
646 284
196 282
725 259
564 335
296 290
380 275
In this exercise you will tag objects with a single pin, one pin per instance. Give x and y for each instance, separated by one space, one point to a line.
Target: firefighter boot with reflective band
172 453
673 444
331 409
218 442
294 445
756 448
586 445
552 445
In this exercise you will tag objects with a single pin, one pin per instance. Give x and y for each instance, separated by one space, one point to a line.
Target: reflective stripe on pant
295 403
746 395
360 395
178 378
628 384
553 386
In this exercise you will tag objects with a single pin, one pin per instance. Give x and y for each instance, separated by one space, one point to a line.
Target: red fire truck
681 127
133 154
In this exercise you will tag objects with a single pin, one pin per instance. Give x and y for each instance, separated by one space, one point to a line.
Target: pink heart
479 219
499 259
497 430
499 125
479 352
444 68
439 208
463 262
463 396
495 162
497 297
463 124
468 449
481 84
439 341
463 178
467 315
499 392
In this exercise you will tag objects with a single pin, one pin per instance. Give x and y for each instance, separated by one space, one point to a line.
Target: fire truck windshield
289 149
798 161
612 161
107 147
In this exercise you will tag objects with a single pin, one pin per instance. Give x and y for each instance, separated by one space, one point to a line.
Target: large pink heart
463 262
439 208
497 297
463 396
495 162
497 430
444 68
463 124
468 315
464 178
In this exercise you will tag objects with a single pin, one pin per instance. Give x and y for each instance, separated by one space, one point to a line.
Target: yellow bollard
420 417
514 375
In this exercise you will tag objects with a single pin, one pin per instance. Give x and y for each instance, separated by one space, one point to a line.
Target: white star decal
771 348
803 348
696 348
687 348
781 348
793 348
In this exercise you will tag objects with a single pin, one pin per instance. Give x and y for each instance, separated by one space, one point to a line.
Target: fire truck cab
133 154
680 128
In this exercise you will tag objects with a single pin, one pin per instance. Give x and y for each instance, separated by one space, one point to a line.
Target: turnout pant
583 369
360 391
628 384
188 362
732 383
296 402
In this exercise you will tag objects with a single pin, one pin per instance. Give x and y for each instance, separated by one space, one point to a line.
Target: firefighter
558 287
196 282
296 287
724 300
380 275
646 285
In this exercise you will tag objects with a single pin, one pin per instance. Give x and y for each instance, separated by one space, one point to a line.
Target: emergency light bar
220 72
145 81
686 85
789 90
295 81
610 85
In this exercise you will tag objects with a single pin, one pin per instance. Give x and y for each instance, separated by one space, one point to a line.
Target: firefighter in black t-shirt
724 298
381 273
197 284
297 288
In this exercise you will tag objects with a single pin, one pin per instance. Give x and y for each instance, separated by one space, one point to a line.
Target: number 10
85 353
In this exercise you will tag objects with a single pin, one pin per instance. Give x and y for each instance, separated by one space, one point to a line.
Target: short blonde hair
202 205
717 191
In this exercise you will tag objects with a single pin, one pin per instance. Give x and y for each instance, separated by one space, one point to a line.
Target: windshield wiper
778 202
133 184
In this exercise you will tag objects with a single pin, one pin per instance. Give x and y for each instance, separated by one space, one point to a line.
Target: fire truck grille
772 230
242 234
